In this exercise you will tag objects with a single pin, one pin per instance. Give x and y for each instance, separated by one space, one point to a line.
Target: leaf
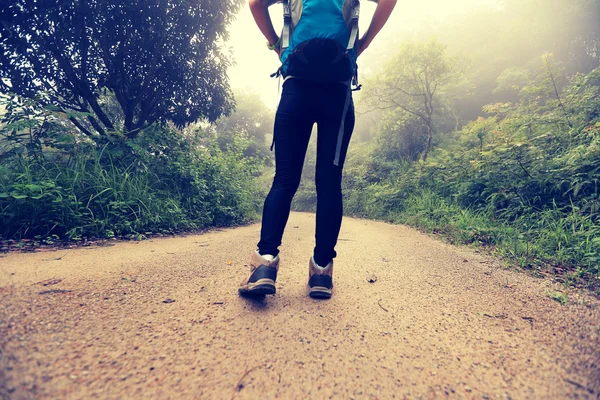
33 187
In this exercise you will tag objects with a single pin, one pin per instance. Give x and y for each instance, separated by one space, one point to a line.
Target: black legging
304 103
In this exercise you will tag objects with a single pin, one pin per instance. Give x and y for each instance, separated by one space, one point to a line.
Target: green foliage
537 154
416 89
157 61
162 181
402 137
562 298
251 120
523 180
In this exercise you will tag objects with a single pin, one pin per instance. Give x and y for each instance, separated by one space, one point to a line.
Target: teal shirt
328 19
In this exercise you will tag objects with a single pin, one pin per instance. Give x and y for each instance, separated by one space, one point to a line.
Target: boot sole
318 292
259 288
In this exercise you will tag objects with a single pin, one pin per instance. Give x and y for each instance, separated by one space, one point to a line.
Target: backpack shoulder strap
354 24
287 25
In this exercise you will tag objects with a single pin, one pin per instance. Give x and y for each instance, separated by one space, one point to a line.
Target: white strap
340 139
354 31
287 25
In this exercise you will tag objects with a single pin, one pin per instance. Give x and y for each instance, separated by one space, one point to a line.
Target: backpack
318 40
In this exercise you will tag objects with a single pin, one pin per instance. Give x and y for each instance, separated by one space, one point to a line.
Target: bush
163 181
524 179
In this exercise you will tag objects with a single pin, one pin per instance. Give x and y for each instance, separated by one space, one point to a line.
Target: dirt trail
439 321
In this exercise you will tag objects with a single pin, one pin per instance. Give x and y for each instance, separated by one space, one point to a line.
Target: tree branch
408 110
96 125
80 126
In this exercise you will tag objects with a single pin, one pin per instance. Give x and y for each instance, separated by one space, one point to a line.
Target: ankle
322 263
267 256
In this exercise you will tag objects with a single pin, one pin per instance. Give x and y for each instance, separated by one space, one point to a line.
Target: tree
402 137
159 59
252 120
414 81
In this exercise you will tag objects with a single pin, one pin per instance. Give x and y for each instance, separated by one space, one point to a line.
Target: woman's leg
328 177
293 125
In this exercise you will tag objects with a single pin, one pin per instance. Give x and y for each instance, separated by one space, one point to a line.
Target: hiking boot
263 273
320 280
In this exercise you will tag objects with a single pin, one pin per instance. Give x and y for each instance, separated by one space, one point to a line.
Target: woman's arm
260 12
380 17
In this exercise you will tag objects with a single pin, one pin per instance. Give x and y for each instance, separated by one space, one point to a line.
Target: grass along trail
410 317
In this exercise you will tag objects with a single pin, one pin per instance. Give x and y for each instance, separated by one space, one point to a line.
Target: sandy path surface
439 321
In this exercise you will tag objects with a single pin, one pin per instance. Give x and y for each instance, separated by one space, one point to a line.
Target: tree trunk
429 139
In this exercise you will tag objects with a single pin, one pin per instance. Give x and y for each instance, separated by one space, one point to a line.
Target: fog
493 34
254 63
